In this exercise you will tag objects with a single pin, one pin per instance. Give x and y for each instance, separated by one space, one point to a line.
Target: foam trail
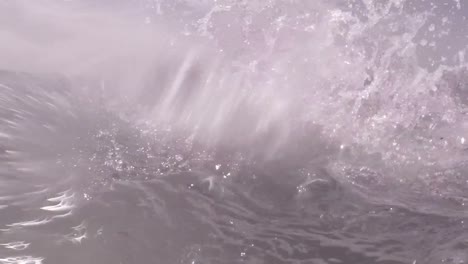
35 222
21 260
64 202
19 245
69 213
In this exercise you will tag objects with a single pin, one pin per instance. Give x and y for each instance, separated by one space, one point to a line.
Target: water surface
233 132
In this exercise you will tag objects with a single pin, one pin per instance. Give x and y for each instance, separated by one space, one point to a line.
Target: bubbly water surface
221 131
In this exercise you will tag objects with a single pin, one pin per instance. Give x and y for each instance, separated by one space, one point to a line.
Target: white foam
21 260
35 222
6 87
64 202
19 245
63 215
78 240
78 234
80 227
62 196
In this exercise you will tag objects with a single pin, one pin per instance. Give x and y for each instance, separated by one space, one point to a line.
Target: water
233 131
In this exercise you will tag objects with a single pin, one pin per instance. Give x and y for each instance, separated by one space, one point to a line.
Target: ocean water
220 131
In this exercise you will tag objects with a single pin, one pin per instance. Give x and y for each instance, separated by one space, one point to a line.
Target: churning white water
221 131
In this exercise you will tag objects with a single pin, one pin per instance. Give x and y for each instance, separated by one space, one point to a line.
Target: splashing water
233 131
